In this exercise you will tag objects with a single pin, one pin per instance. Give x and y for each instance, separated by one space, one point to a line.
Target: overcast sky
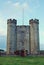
14 9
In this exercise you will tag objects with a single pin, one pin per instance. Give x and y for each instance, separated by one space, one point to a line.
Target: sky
14 9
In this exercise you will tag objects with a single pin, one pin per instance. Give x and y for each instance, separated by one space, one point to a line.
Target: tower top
12 21
34 21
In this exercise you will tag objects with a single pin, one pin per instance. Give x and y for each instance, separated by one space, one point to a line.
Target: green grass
15 60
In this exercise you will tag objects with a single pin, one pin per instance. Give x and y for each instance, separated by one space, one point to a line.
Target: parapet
34 21
14 21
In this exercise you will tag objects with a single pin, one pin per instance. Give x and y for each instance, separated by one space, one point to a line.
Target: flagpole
23 17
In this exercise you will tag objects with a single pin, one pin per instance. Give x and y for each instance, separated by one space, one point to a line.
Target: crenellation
23 36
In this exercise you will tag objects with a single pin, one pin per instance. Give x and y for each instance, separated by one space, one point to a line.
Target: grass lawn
15 60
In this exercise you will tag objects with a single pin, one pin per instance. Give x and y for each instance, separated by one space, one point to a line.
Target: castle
23 36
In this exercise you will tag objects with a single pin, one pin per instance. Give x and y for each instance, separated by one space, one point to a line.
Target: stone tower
34 36
11 36
23 38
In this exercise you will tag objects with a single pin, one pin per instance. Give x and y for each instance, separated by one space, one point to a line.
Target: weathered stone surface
11 36
34 36
23 38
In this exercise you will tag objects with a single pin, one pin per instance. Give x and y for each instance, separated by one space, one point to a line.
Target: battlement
34 21
12 21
